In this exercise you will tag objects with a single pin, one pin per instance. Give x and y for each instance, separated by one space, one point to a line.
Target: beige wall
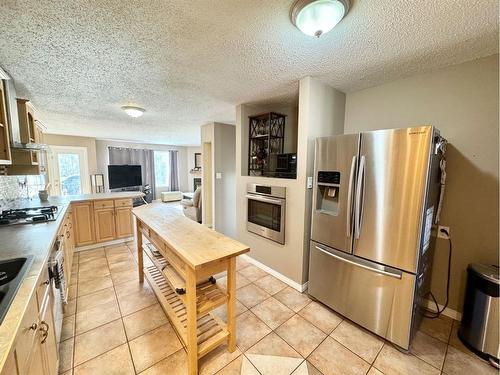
462 101
320 113
219 208
67 140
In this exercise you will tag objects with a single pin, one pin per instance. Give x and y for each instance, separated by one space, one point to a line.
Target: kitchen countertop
195 243
35 240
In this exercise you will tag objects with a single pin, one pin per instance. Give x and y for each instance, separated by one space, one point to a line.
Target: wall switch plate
441 234
309 182
218 175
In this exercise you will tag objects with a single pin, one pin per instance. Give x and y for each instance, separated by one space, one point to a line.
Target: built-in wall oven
266 207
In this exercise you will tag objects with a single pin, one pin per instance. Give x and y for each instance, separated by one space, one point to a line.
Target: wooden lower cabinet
35 348
83 223
36 366
48 343
124 222
104 224
101 221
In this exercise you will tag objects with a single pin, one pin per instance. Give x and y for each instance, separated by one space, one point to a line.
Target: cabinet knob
46 282
33 327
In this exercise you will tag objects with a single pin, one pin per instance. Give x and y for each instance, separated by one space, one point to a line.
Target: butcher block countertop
195 243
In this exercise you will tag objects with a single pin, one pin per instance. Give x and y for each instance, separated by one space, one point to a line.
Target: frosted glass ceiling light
133 111
317 17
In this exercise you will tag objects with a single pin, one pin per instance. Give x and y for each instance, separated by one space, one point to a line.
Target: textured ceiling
191 62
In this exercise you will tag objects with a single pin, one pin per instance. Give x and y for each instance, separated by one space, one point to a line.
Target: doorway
68 169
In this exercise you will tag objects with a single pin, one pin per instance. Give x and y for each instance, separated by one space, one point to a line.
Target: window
162 168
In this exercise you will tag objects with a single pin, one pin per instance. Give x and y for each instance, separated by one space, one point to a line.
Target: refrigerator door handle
349 197
360 197
395 274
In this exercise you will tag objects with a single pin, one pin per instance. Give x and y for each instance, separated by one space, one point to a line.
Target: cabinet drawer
26 335
43 287
103 204
174 260
144 229
125 202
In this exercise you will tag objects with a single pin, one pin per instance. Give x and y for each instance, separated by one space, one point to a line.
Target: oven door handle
266 199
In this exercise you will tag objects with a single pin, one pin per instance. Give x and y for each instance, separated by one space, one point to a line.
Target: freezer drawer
376 297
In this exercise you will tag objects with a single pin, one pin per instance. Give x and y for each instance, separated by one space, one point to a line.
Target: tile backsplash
14 187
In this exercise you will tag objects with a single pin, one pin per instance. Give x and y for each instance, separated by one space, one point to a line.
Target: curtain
132 156
174 172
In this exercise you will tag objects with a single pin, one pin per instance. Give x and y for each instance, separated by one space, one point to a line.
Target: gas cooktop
31 215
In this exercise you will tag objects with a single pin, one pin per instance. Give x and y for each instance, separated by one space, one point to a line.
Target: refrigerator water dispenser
328 187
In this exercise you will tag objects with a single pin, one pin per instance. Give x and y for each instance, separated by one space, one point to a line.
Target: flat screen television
121 176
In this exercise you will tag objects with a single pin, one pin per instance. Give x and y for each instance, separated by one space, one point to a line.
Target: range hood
13 118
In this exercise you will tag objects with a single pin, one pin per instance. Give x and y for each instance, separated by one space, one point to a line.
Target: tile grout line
76 309
121 315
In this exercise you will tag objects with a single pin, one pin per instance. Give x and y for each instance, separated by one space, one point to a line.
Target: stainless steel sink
12 272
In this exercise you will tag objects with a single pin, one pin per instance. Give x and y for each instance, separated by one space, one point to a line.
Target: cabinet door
27 336
123 218
5 156
83 223
10 366
48 338
36 366
105 224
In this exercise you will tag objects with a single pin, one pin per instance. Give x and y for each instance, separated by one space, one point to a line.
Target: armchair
192 207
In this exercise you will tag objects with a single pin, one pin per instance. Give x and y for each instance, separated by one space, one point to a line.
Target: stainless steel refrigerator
375 198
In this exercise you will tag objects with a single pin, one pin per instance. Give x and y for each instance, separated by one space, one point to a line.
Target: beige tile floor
114 325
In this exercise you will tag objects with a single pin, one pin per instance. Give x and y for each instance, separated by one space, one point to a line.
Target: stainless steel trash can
479 327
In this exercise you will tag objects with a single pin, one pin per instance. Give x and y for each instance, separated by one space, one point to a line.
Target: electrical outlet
441 234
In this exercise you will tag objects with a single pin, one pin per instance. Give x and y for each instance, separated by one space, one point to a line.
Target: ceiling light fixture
317 17
133 111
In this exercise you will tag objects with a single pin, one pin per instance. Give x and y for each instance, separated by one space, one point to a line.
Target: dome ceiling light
133 111
317 17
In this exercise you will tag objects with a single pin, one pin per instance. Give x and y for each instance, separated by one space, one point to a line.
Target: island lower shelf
211 331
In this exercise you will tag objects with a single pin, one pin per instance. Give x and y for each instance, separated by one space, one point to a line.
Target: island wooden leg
140 261
192 340
231 304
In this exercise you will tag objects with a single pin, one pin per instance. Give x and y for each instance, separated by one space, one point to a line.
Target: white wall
463 102
320 112
103 160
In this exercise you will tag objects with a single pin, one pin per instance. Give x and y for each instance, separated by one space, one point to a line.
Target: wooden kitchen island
182 257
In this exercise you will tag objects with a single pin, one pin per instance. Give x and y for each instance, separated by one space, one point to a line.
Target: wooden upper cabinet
5 155
105 224
123 221
27 125
83 223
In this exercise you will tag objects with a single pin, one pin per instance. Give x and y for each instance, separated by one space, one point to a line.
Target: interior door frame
54 167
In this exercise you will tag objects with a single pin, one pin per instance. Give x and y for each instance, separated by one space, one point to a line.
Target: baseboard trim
101 244
295 285
450 313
